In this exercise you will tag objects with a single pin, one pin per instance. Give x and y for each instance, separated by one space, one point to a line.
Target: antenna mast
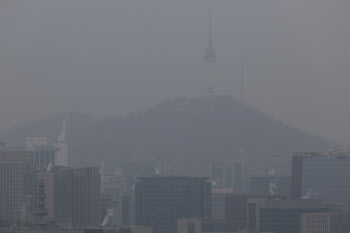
210 53
242 81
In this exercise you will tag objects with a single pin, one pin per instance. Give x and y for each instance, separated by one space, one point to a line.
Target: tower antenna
242 80
210 53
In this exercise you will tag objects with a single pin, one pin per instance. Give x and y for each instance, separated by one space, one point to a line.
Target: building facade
229 175
72 195
315 223
161 201
86 192
218 202
236 212
289 216
322 176
13 167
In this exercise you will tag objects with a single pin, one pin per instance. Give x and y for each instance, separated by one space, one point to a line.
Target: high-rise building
229 175
42 154
294 216
161 201
218 202
61 158
242 212
86 192
13 167
322 176
128 208
236 212
72 195
61 155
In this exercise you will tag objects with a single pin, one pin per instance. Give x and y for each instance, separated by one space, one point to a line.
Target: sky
111 57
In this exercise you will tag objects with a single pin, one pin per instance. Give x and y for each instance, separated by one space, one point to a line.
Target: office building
161 201
294 216
242 212
229 175
42 154
218 201
128 209
322 176
72 195
236 212
13 167
86 197
61 146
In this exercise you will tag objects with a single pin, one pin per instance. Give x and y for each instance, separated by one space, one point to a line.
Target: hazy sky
109 57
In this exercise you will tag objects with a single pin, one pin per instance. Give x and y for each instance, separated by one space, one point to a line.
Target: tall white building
61 146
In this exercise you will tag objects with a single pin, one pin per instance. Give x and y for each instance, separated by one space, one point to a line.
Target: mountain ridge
187 134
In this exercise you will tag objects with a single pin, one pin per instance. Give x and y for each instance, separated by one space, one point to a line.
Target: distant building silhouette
275 214
161 201
229 175
322 176
236 212
72 195
218 201
294 216
61 146
13 167
42 154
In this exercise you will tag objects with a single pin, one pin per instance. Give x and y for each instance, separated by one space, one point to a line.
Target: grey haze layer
111 57
184 134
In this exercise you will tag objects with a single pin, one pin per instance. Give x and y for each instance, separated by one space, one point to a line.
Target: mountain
185 134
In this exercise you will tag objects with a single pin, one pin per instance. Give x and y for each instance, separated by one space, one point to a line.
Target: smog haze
108 58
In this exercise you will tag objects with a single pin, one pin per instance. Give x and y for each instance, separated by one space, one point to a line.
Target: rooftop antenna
210 53
242 81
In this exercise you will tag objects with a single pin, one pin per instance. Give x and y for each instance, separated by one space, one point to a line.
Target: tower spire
210 53
242 80
210 34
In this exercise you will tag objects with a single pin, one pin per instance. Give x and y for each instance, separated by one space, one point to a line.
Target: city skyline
174 116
